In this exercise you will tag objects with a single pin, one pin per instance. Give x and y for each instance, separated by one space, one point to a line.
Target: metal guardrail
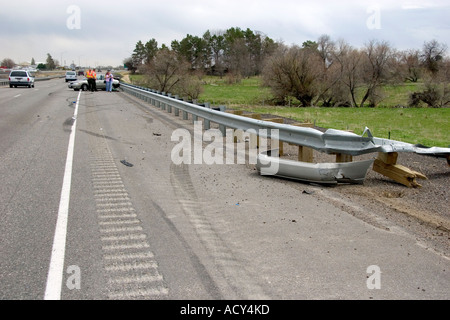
6 82
332 141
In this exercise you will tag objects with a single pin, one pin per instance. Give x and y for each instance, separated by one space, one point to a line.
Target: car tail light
28 79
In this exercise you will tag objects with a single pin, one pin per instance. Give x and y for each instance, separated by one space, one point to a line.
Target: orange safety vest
94 75
88 74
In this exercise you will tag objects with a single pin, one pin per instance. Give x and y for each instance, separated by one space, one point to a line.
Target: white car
100 82
22 78
71 76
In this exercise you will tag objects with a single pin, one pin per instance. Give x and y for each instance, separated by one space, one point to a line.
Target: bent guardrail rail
331 141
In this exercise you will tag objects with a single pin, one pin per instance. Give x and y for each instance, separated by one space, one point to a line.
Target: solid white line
55 273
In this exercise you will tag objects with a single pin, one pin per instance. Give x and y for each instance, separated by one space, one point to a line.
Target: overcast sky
98 32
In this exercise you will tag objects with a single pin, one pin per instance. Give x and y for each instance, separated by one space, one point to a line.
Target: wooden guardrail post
340 158
254 138
305 154
386 164
280 143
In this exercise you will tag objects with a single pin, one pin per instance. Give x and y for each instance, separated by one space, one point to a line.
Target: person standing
109 81
94 80
89 79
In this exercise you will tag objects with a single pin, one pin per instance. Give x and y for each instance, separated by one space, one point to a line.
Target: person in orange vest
89 79
94 80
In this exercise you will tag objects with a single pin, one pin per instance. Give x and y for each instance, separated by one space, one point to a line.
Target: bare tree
326 48
165 71
190 86
409 66
436 92
377 56
170 73
293 72
331 88
8 63
350 61
433 53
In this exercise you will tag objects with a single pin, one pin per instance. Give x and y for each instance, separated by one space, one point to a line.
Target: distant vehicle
101 84
22 78
71 76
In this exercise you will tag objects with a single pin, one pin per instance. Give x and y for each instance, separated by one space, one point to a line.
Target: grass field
427 126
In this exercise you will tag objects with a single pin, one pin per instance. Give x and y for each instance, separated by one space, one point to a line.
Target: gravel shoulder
381 201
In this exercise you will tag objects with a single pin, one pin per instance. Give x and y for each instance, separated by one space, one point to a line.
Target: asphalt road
157 230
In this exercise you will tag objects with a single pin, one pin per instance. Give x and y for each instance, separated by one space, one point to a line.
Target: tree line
324 72
49 65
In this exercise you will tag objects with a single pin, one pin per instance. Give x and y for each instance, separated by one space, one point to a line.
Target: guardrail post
185 114
254 138
207 124
237 133
223 129
386 164
305 154
163 104
169 106
340 157
280 143
194 117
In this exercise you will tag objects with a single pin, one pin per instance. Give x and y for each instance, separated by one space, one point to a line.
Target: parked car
101 84
21 78
71 76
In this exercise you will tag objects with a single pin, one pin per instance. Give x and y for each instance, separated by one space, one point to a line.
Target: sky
92 33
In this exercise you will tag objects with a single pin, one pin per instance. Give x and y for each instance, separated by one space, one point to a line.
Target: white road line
55 273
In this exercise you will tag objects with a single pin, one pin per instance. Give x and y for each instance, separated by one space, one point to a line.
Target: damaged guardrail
331 141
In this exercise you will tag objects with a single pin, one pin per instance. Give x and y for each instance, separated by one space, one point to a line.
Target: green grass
246 92
413 125
394 95
428 126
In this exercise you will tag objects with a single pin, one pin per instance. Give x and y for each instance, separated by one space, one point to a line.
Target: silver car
101 84
71 76
21 78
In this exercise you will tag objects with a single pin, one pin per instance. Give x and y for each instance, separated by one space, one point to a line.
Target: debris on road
126 163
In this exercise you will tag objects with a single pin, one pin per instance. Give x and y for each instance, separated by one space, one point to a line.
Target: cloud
109 30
